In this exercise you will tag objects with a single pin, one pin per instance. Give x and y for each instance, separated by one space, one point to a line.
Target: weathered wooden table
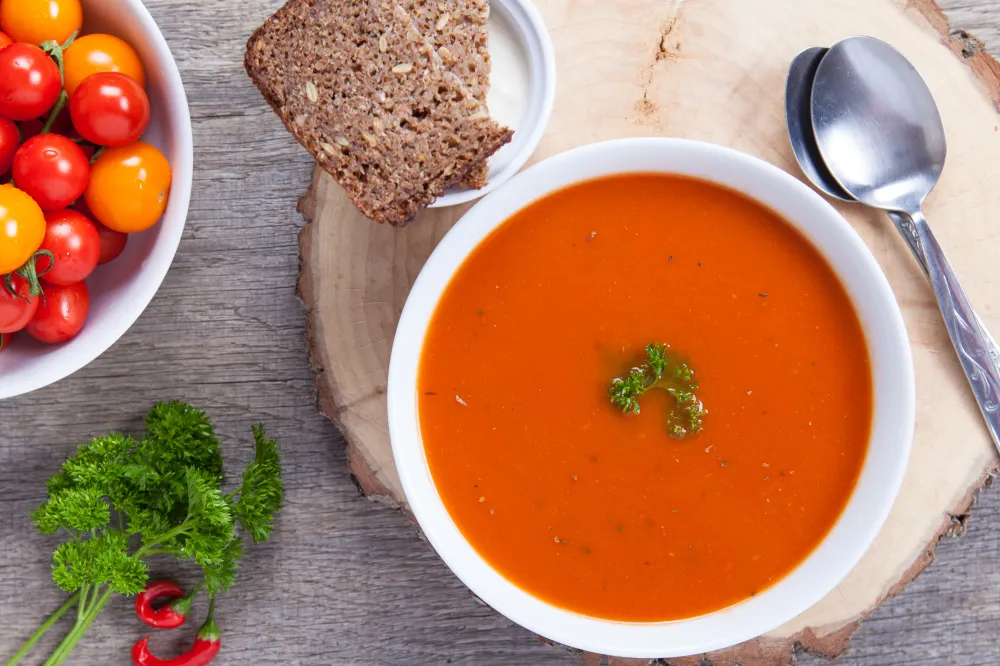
344 581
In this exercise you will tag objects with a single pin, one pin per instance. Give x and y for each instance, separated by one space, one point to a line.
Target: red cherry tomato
17 309
5 338
73 239
112 243
5 40
61 314
53 170
10 141
29 82
110 109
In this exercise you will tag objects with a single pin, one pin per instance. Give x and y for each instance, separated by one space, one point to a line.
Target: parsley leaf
262 491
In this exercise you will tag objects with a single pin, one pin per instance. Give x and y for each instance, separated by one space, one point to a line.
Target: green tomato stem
44 628
55 50
30 273
56 110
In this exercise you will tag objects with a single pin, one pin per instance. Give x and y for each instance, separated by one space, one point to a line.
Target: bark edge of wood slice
709 70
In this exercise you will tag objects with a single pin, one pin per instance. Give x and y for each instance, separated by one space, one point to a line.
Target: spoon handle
909 233
966 334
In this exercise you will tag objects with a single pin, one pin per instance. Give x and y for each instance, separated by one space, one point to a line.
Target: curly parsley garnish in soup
667 515
674 377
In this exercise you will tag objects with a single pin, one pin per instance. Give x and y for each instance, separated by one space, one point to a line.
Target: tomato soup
607 514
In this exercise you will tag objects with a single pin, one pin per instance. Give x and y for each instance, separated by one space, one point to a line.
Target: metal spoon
798 115
879 133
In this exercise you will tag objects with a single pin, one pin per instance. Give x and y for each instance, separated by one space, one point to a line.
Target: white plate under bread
522 90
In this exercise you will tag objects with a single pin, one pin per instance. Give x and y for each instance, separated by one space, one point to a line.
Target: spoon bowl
798 117
876 124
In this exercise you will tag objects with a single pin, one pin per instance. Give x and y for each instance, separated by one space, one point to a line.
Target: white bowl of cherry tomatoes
95 179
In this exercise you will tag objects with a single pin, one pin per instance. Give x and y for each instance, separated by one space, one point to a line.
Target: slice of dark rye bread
458 30
367 95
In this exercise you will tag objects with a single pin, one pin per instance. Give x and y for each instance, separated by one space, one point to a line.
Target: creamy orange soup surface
607 514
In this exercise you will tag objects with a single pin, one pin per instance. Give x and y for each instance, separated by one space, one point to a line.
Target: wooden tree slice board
712 70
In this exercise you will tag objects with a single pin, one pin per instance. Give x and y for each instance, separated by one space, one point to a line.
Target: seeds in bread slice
458 31
367 95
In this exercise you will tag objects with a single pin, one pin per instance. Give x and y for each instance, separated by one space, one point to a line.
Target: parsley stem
79 629
95 603
82 606
166 536
42 629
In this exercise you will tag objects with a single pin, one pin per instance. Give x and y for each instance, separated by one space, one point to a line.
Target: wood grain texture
345 581
710 70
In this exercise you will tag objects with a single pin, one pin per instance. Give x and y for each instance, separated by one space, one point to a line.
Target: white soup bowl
892 377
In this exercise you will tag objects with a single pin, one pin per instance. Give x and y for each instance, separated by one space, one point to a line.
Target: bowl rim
65 360
893 393
529 25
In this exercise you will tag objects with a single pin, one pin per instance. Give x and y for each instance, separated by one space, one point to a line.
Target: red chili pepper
206 646
168 616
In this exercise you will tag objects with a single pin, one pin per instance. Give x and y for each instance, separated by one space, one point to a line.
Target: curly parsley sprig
120 501
669 374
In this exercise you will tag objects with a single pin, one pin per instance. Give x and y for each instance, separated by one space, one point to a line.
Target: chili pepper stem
79 629
44 628
209 631
183 605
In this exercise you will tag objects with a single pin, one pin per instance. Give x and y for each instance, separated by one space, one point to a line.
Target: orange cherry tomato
91 54
38 21
22 228
129 187
5 40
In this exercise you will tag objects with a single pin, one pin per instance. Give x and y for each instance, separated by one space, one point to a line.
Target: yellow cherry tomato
38 21
91 54
22 228
129 187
